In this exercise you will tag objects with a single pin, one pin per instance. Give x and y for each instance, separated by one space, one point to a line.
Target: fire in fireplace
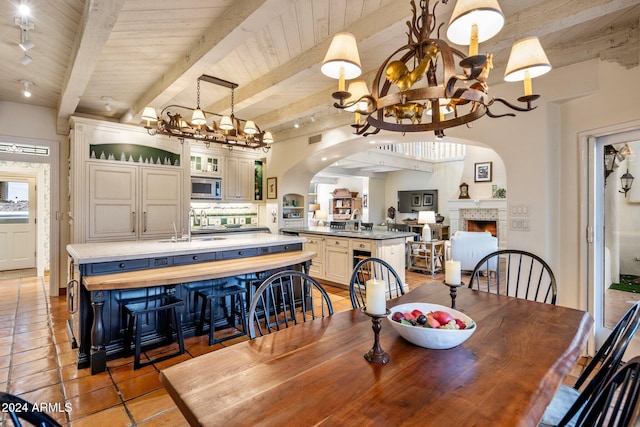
483 225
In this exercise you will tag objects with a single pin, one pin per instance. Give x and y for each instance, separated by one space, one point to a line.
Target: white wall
22 123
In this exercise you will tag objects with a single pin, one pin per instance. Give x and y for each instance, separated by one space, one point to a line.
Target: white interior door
17 222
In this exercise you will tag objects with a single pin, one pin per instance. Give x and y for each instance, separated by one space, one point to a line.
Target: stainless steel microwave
205 188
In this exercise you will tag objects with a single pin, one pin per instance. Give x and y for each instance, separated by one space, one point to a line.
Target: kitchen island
338 251
102 275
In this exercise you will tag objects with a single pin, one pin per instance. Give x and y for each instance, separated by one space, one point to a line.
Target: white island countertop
86 253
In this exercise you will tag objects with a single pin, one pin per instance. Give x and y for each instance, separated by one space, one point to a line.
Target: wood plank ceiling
141 52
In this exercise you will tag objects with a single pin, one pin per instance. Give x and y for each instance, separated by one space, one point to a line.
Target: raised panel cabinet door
161 204
230 184
394 254
112 201
337 265
246 176
316 244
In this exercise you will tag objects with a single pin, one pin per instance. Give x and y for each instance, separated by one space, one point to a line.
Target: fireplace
480 215
483 225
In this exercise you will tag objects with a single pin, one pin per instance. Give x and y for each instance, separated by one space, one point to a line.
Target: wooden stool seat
210 298
156 304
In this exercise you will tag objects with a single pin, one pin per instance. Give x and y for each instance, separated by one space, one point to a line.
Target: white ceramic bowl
437 339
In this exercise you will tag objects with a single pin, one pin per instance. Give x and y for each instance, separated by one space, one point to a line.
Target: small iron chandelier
229 130
452 96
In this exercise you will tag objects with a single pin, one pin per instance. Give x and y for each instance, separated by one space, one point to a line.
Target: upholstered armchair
469 247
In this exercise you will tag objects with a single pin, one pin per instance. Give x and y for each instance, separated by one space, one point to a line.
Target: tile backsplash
212 214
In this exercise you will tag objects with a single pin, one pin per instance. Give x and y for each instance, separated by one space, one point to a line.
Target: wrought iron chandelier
228 130
419 88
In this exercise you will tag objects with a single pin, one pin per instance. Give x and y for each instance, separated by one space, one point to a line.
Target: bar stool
210 299
158 305
191 298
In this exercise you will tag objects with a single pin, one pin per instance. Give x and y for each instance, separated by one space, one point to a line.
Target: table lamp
426 218
313 207
320 215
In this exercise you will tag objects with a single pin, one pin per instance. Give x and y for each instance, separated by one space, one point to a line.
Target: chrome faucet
192 212
203 218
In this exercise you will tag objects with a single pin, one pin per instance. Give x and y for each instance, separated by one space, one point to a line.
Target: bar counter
105 274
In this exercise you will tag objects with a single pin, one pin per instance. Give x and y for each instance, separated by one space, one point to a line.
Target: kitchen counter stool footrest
156 304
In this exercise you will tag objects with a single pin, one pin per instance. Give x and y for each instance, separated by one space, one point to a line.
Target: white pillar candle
376 301
452 272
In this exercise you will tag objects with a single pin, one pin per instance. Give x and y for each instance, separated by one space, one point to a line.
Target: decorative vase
439 219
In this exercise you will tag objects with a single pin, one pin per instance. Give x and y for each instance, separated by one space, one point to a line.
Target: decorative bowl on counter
433 338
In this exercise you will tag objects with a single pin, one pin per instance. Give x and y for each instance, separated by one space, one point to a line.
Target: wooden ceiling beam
98 20
220 40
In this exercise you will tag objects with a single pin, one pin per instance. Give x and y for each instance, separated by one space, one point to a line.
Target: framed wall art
483 172
272 188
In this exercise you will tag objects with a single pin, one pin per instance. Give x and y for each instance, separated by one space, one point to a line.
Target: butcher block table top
314 373
195 272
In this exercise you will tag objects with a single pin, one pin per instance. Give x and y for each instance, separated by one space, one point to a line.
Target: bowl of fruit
431 325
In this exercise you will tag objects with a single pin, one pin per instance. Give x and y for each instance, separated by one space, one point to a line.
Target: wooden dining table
314 373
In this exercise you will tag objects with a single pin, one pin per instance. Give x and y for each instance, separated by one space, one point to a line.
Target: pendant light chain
198 94
232 100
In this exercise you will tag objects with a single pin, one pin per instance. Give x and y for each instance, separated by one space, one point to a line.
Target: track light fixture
26 59
26 92
22 21
25 44
107 99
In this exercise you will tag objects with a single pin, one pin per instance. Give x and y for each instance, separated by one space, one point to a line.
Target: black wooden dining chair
515 273
373 268
568 401
616 404
285 299
16 409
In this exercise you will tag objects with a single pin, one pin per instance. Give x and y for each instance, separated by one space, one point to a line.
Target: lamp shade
526 55
226 123
342 57
267 137
426 217
149 114
486 14
357 89
197 118
250 127
313 207
320 214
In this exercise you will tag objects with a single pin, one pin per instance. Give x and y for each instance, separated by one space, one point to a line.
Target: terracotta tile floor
38 364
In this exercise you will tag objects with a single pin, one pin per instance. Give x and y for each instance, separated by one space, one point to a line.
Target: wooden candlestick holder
376 354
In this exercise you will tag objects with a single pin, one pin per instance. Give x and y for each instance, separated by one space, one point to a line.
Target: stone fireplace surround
461 210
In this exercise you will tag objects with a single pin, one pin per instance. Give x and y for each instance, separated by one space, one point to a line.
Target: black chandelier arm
515 107
371 101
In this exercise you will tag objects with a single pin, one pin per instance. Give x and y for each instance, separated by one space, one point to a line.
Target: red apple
461 324
442 316
397 316
416 313
408 316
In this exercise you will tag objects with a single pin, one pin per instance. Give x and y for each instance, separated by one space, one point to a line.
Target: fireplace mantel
480 206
